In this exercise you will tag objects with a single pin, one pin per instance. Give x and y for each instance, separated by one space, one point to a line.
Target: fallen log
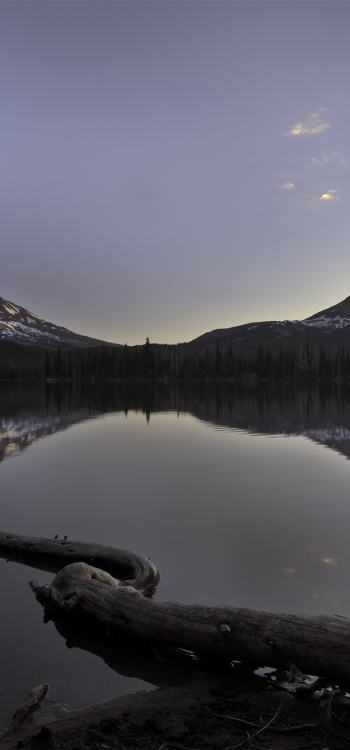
156 664
318 645
53 554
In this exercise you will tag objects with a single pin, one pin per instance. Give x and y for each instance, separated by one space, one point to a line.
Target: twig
245 722
251 736
35 699
295 727
232 718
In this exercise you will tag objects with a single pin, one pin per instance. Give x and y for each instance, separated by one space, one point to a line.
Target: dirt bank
207 714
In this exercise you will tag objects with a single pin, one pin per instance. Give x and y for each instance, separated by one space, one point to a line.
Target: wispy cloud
289 571
312 125
286 185
333 157
329 561
329 195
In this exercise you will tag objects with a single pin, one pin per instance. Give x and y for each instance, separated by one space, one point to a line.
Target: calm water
240 497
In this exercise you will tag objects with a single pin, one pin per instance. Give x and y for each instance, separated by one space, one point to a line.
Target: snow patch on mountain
11 309
335 433
21 326
323 321
20 330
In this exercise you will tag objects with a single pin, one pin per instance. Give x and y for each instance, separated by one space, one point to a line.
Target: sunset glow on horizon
172 168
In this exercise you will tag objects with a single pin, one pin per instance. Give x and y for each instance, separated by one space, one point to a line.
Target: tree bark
54 554
317 645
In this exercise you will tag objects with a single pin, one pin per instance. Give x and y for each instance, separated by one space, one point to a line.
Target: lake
240 497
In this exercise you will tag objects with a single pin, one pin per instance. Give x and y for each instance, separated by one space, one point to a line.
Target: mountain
330 327
333 318
19 326
38 412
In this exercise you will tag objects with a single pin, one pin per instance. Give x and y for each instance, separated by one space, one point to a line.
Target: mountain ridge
19 326
331 325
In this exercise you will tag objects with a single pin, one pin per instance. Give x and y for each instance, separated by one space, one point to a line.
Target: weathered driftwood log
54 554
317 645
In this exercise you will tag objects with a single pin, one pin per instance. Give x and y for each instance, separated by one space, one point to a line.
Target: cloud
333 157
313 125
329 195
289 571
329 561
287 185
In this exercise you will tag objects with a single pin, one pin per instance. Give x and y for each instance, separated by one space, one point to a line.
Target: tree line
162 362
182 362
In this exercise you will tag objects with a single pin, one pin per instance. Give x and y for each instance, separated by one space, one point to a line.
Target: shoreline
210 712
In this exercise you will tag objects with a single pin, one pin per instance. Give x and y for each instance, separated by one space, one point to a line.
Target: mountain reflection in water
189 475
320 413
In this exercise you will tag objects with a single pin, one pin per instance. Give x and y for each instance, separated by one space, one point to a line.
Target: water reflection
156 665
320 413
188 475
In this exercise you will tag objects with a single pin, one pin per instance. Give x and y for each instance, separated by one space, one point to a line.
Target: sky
168 168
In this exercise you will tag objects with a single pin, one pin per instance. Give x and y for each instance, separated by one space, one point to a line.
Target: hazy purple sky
167 168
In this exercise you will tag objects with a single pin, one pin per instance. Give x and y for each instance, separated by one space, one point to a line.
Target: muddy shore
207 714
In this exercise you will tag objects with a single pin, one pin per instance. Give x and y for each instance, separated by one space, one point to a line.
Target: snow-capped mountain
334 317
27 417
19 326
330 326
